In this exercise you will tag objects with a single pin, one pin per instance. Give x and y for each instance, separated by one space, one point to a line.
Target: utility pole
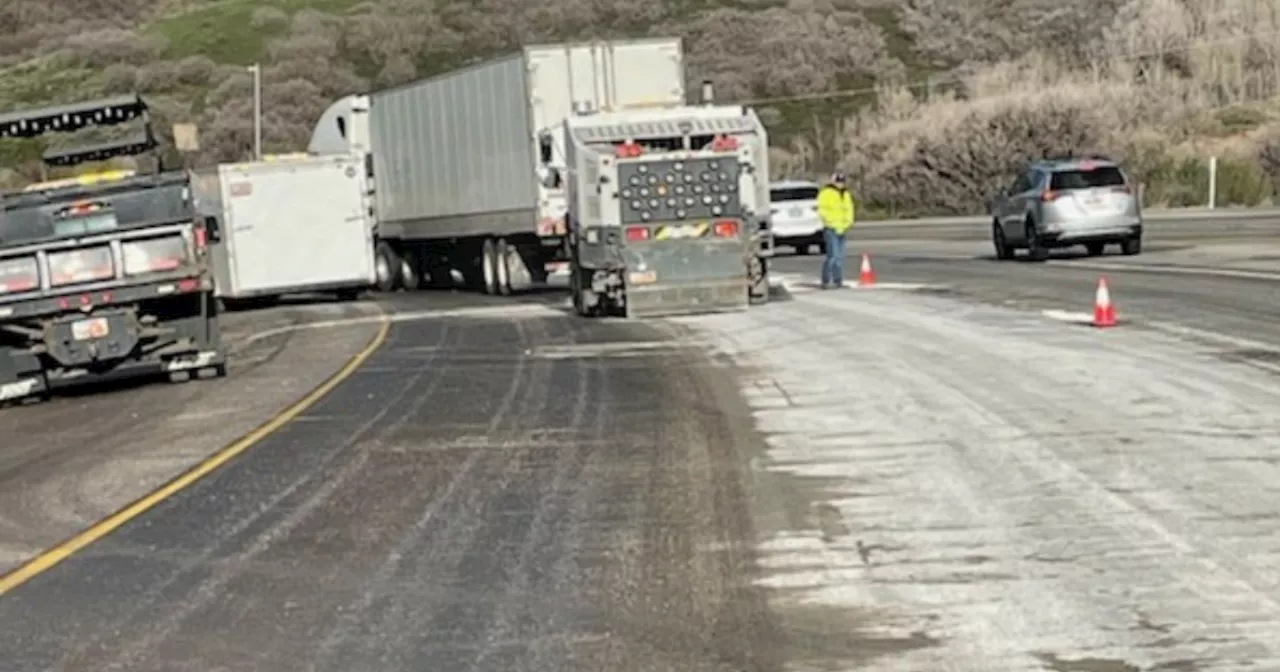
256 69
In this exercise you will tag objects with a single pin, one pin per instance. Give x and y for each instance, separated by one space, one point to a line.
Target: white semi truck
466 170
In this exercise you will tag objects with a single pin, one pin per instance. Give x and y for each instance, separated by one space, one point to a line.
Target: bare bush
1164 71
112 45
955 154
1148 80
195 70
158 77
805 47
269 18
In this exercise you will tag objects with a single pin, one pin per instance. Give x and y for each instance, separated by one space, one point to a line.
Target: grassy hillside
927 102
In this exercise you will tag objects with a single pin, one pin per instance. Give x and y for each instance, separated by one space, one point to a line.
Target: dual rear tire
495 266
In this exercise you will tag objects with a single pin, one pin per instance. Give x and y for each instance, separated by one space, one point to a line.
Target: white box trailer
467 168
291 226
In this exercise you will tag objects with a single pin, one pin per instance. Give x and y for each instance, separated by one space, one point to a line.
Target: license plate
795 212
95 327
643 277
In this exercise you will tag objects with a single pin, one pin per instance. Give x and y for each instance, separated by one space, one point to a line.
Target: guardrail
1151 215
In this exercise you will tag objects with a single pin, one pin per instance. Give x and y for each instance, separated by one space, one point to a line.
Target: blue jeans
833 265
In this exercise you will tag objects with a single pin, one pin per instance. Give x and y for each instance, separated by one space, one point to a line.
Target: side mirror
211 229
545 149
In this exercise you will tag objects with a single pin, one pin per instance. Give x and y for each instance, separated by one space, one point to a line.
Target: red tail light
1049 196
726 228
16 286
201 238
628 150
636 234
724 143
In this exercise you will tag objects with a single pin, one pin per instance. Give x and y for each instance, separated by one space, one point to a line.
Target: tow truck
668 210
102 275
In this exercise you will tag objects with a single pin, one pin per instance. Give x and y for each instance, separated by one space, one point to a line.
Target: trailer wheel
410 272
386 265
575 290
489 265
757 281
501 254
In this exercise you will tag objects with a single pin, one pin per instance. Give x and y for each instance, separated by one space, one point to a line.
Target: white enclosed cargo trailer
467 168
291 226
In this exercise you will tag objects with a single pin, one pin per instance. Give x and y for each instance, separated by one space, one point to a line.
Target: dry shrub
950 156
1162 69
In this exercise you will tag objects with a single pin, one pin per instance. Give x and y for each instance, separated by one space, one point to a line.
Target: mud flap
20 376
657 300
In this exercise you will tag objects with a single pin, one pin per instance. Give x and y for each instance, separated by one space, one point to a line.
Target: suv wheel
1095 249
1003 249
1132 246
1035 246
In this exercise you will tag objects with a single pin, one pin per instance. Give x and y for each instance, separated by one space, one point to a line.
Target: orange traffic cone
866 275
1104 312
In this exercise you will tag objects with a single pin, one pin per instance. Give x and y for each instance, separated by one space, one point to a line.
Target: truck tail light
1050 196
724 143
636 234
726 228
201 238
628 150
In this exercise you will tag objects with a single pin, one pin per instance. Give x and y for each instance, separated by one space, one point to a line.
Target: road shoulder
981 488
78 459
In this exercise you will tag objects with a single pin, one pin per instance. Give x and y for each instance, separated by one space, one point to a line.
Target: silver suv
1061 202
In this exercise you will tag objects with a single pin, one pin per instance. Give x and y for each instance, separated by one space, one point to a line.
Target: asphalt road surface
71 461
936 476
521 492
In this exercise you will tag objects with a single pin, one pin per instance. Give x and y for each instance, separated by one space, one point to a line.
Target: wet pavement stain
838 639
1247 355
1053 662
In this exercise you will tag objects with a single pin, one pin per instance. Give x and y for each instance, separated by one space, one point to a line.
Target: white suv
793 215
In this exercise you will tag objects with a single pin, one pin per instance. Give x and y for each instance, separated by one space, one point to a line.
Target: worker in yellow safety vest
835 209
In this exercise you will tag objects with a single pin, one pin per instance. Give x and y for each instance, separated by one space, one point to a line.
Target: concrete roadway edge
51 557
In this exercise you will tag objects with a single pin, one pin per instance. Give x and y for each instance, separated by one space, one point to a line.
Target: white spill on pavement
1012 491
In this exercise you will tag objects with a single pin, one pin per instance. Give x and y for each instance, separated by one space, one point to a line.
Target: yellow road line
51 557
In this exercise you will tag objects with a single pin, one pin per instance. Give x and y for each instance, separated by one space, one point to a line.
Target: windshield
79 226
793 194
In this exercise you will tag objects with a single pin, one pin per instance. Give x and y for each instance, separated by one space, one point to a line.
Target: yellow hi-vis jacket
835 209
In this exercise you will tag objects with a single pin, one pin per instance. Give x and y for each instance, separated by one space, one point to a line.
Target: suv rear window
1104 176
795 194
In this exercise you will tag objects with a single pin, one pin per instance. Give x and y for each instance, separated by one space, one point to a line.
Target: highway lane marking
1206 337
1172 270
1071 317
1222 340
797 283
53 556
535 309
